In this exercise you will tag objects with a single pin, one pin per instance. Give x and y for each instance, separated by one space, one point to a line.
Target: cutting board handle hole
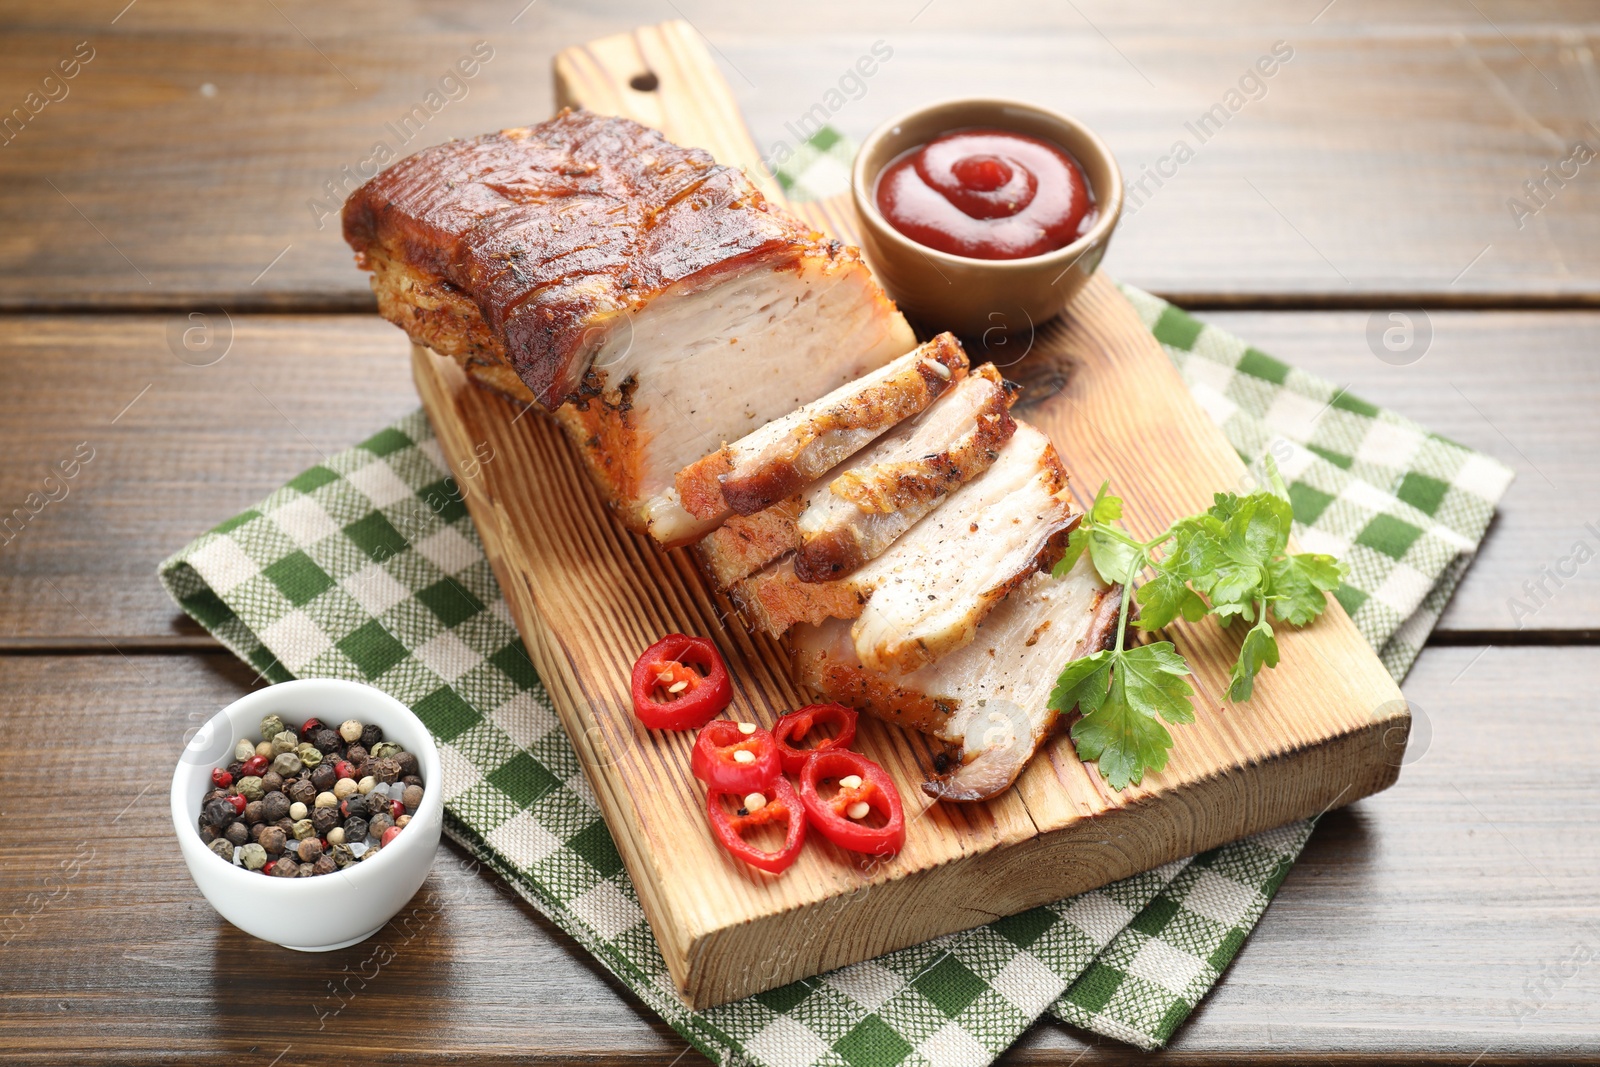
645 83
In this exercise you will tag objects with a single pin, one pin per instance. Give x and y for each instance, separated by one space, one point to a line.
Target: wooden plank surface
68 376
1412 928
1376 165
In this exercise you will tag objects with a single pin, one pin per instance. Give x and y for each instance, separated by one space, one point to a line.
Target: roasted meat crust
551 234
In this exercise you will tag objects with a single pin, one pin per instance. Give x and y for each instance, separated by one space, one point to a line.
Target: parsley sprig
1229 562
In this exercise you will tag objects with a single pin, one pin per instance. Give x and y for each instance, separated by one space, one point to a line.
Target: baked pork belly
925 596
781 457
898 480
649 296
989 700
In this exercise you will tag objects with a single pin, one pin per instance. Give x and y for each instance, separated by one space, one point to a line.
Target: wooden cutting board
1326 727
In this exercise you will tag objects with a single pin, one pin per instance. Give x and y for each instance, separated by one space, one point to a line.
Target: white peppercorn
344 787
264 748
367 784
336 835
298 811
327 800
350 730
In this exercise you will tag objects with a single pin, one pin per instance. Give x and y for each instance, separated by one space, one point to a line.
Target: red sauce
987 194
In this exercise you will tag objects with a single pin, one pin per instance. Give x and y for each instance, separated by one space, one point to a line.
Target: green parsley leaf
1077 541
1114 559
1106 508
1083 684
1120 730
1123 743
1153 676
1164 598
1260 648
1296 585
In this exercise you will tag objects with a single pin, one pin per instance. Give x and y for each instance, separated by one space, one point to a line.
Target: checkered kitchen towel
368 567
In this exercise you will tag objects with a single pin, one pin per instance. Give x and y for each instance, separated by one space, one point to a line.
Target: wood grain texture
1410 930
1323 729
1389 145
204 444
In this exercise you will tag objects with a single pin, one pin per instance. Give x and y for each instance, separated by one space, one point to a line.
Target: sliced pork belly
884 491
942 576
650 297
988 700
910 469
781 457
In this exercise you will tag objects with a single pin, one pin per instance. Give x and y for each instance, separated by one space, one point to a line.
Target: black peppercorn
355 829
285 824
407 761
254 812
342 857
237 833
412 797
273 840
324 776
386 770
356 754
272 782
324 865
274 806
218 812
324 819
411 779
378 824
234 769
326 740
222 847
371 735
285 868
309 850
208 833
256 831
215 794
304 792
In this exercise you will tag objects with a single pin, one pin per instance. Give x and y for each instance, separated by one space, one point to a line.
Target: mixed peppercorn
312 801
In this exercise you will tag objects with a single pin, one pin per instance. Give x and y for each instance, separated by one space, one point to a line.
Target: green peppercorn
222 847
350 730
309 754
285 868
273 840
285 741
272 726
250 787
342 857
303 829
286 764
254 857
386 750
244 749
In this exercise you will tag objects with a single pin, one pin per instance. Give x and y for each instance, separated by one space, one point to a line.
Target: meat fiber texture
650 297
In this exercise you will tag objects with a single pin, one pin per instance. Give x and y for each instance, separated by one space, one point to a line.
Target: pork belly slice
941 577
781 457
911 469
989 700
884 491
650 297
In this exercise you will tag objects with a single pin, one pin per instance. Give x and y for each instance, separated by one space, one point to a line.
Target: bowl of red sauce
985 215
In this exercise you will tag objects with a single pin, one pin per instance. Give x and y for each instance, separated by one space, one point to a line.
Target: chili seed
850 781
744 756
754 802
858 810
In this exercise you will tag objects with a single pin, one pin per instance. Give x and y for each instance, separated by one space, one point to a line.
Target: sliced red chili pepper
779 802
734 757
680 683
832 817
797 724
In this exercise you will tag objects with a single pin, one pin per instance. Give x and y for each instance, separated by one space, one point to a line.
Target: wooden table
1453 918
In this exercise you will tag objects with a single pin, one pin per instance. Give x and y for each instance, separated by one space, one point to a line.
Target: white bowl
328 911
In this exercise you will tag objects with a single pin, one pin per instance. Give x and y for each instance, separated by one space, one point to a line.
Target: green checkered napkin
368 567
